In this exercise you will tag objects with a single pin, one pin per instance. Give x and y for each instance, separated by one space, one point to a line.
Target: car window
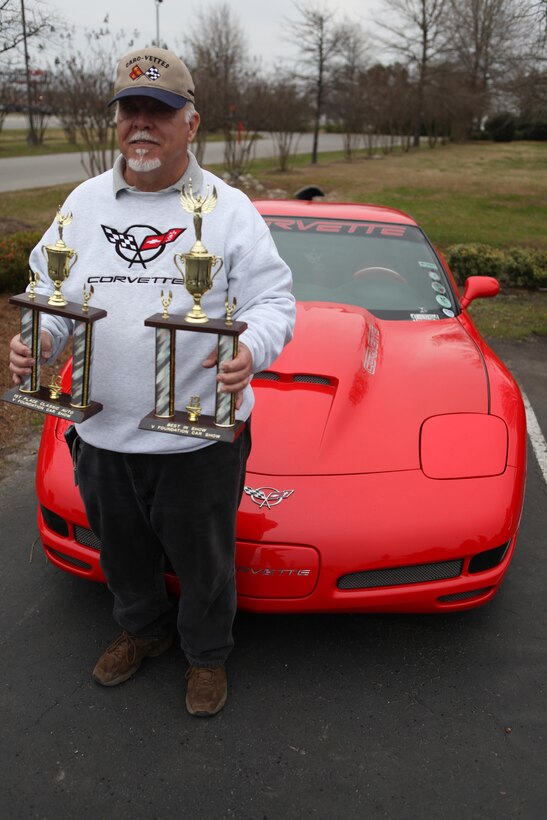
389 269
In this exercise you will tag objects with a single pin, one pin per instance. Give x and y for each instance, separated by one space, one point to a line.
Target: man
146 493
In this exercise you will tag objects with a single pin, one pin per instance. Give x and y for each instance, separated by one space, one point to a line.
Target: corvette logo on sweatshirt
139 244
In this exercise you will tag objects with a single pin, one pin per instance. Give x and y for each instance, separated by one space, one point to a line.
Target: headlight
463 445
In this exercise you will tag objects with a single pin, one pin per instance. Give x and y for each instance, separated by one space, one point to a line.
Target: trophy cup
198 279
198 263
75 406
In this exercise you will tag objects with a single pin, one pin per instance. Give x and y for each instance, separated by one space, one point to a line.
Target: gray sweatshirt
110 229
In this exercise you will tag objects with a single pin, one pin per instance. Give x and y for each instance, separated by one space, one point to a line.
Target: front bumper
291 554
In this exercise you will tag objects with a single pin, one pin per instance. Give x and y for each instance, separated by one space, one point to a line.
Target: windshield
389 269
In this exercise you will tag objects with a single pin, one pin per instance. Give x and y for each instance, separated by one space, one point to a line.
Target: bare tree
530 92
448 105
82 88
40 23
486 38
21 22
389 99
287 114
418 36
217 56
538 13
319 39
348 100
8 96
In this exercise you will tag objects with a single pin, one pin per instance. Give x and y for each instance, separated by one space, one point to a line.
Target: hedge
513 267
14 253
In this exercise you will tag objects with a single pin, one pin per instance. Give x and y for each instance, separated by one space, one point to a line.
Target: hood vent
307 379
302 378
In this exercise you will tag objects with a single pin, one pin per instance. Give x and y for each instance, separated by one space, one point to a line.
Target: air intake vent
69 559
397 576
465 596
307 379
54 521
87 538
302 378
489 559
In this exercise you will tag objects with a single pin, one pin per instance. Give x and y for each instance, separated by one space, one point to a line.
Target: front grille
267 376
87 538
416 574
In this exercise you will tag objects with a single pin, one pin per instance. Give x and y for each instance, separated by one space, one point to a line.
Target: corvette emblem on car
267 496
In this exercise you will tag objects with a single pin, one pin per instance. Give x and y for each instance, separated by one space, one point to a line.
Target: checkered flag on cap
124 240
153 73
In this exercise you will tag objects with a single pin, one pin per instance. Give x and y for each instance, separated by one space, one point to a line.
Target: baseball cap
154 72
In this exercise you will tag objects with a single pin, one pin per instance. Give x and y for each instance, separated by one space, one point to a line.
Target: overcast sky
261 20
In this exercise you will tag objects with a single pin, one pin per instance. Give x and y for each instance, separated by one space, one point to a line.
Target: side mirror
479 286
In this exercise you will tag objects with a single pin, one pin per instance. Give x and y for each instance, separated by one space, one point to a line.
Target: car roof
332 210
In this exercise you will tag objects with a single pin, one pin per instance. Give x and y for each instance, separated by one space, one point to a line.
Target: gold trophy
58 257
198 267
76 405
198 263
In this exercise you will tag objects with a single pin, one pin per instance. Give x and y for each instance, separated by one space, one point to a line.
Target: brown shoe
207 690
124 656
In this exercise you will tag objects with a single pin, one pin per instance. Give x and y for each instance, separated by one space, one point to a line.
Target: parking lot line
536 436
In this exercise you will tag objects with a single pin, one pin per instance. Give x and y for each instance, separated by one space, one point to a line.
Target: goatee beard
141 165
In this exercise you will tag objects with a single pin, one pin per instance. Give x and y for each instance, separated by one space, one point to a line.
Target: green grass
13 143
516 315
504 220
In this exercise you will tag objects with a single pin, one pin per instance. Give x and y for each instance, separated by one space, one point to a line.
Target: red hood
385 378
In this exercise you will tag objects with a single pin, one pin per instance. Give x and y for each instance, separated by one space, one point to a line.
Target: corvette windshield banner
332 226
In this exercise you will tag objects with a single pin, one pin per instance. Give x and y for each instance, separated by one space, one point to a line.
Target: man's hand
20 356
235 374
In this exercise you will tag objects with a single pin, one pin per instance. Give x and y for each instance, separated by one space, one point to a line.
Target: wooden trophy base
179 425
41 402
71 310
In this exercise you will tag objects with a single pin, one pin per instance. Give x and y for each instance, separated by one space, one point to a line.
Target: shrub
14 253
527 269
474 260
513 267
501 127
532 129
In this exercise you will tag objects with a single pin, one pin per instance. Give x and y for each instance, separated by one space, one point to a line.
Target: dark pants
183 505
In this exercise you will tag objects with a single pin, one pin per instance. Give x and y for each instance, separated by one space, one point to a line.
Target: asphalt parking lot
398 717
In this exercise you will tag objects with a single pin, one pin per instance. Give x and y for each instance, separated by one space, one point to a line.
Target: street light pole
158 22
32 139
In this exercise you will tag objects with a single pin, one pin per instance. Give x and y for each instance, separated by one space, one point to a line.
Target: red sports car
389 442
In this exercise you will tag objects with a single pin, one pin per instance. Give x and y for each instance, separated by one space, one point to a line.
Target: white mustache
142 136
